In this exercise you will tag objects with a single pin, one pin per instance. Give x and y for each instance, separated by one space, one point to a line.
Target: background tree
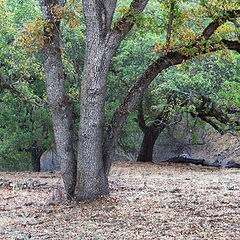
202 92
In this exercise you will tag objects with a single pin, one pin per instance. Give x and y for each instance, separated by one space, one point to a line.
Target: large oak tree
85 175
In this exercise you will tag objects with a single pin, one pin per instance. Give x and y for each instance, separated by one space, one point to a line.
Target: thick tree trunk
101 44
151 133
91 178
146 150
57 97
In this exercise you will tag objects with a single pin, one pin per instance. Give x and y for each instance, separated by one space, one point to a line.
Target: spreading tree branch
219 120
132 99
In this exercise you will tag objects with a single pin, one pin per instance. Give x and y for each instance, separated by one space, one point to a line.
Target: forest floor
147 201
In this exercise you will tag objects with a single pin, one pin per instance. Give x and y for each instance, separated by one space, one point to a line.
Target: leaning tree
202 92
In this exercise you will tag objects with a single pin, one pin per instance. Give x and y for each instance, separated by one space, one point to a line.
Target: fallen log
181 159
202 162
231 164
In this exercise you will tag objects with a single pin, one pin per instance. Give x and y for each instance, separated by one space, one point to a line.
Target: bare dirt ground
147 201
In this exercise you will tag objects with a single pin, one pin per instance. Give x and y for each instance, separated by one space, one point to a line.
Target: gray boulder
49 161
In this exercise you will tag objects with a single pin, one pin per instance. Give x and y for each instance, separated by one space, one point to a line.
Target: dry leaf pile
147 201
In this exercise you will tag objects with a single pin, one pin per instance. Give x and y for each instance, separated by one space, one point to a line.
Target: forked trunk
101 43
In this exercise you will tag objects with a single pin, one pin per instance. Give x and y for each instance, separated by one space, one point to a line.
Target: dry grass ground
147 201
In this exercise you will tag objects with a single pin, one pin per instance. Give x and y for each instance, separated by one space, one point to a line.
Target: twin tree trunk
84 175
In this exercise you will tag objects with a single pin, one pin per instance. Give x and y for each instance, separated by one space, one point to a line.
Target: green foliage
213 78
22 124
205 77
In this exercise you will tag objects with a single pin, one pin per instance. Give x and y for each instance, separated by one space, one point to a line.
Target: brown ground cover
147 201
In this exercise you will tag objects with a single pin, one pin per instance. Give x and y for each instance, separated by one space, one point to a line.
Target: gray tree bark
101 44
89 179
57 97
